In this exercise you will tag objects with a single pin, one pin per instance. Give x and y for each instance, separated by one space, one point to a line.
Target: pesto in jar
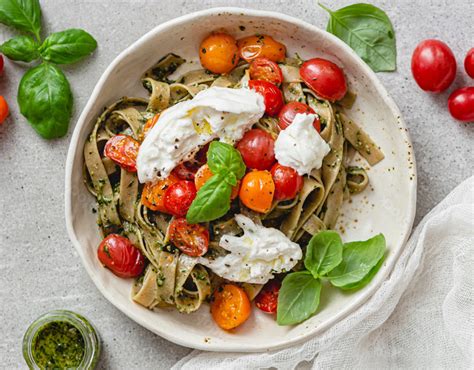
58 344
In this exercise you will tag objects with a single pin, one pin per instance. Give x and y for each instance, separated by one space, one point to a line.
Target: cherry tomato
192 240
288 182
185 171
148 126
119 255
257 190
261 46
267 299
264 69
461 104
219 53
469 63
204 173
1 64
325 78
230 306
123 150
272 96
3 109
433 65
257 149
179 196
153 193
290 110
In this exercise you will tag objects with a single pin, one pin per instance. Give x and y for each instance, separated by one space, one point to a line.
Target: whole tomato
290 110
219 53
120 256
179 196
257 191
469 63
257 149
272 96
433 65
288 182
461 104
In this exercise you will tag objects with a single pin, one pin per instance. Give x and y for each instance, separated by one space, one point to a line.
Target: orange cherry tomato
261 46
219 53
265 70
192 240
257 190
153 193
204 173
230 306
148 126
123 150
3 109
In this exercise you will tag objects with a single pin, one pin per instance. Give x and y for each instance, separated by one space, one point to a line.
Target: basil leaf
368 31
67 46
212 201
323 253
22 48
224 157
366 279
358 261
45 99
24 15
298 298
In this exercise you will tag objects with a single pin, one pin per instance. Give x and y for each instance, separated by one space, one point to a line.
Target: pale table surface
40 269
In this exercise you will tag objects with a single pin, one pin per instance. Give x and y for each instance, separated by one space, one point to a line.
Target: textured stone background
40 270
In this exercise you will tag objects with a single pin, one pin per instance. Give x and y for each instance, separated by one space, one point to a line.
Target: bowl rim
229 347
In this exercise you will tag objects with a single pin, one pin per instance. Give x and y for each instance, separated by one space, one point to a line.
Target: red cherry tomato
123 150
267 299
325 78
461 104
257 149
119 255
290 110
1 64
264 69
185 171
3 109
179 196
288 182
469 63
433 65
272 96
192 240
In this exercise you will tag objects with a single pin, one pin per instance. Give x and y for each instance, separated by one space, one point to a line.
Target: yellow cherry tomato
219 53
261 46
257 190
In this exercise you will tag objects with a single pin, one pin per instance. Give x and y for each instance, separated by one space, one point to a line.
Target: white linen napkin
421 317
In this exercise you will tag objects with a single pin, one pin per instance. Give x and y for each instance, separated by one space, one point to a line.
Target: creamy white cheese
216 112
256 255
300 146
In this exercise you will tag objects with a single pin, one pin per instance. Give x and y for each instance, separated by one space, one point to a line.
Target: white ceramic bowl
387 207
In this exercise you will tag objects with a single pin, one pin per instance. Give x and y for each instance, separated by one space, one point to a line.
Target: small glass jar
89 335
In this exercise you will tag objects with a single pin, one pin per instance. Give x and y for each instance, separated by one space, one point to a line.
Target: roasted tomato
185 171
257 149
325 78
153 194
272 96
469 63
267 299
264 69
261 46
3 109
230 306
123 150
257 190
204 173
433 65
179 196
149 124
219 53
461 104
290 110
119 255
192 240
288 182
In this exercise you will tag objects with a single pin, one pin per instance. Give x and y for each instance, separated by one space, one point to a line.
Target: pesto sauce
58 344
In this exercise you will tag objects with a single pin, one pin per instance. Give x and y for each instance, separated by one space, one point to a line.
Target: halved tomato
264 69
192 240
272 96
123 150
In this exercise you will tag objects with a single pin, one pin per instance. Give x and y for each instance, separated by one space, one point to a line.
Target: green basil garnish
24 15
323 253
22 48
224 157
368 31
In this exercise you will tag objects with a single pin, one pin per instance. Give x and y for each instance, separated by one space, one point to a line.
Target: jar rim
87 330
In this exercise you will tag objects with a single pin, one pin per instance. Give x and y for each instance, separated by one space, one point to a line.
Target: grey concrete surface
40 269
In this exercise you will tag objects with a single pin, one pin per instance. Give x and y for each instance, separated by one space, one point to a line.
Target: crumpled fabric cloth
422 316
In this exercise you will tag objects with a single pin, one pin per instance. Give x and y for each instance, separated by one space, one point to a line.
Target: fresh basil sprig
368 31
213 199
44 94
346 266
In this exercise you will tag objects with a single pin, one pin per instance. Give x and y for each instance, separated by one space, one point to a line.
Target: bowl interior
386 207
